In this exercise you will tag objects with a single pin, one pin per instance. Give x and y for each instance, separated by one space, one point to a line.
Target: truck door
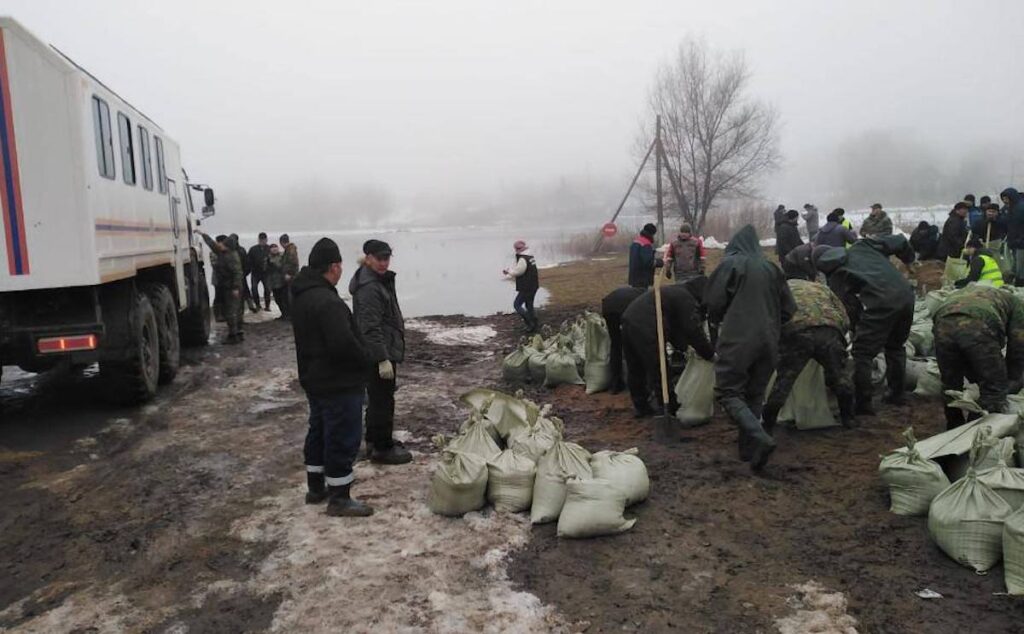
173 202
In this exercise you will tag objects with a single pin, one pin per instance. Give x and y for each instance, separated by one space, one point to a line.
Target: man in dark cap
333 367
379 320
641 258
787 234
258 258
877 224
289 269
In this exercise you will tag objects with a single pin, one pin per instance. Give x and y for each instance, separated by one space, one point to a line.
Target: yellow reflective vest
990 272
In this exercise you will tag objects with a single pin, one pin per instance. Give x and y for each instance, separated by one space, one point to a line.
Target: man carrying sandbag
971 328
683 328
880 304
749 297
612 307
817 331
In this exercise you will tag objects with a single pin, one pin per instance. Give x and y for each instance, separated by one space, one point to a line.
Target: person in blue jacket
641 258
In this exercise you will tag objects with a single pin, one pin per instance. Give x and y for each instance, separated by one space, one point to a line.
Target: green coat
994 313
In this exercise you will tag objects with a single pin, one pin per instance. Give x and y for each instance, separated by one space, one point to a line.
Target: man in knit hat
527 284
334 365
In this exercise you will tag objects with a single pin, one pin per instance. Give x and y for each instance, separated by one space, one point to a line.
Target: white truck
98 262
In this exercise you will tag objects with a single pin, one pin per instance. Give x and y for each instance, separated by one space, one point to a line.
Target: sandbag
934 299
515 367
1013 553
913 480
505 412
564 460
966 521
510 481
951 449
929 382
536 439
597 369
695 391
459 484
592 508
1005 479
913 372
808 402
625 471
478 417
537 363
922 338
475 440
956 269
561 368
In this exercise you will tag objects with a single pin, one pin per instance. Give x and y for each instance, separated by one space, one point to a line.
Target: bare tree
718 141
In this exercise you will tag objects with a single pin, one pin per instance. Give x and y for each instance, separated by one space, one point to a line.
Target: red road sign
609 230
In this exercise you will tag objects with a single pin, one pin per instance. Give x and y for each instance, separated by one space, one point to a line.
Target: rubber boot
846 417
770 417
864 406
392 455
954 417
341 504
316 489
761 444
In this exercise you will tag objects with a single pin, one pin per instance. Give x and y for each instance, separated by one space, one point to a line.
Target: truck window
104 139
146 159
161 169
124 133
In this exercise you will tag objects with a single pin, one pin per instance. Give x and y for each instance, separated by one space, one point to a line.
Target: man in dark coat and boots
748 297
641 258
333 368
258 258
612 307
1014 203
880 304
684 327
925 240
379 320
787 234
954 233
527 284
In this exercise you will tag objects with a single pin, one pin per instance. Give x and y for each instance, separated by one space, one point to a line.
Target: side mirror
208 201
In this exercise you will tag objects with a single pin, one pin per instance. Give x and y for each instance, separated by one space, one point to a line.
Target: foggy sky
445 97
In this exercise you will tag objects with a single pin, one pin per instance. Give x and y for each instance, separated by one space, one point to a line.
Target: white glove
386 370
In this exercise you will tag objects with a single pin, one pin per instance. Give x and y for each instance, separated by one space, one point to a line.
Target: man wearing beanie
379 320
333 368
641 258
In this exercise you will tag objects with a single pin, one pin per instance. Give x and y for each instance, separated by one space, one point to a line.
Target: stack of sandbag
913 480
695 391
625 471
459 484
951 449
563 461
510 481
506 413
597 349
808 403
562 365
922 338
593 508
1013 553
537 364
1003 478
966 521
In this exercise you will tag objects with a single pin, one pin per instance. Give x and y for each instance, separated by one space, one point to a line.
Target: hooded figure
749 298
880 304
799 263
787 234
835 233
925 240
1015 230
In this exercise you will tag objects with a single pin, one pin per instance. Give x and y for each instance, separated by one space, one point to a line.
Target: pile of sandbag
579 354
512 454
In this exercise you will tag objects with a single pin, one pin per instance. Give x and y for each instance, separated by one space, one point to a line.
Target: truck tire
134 380
195 321
167 325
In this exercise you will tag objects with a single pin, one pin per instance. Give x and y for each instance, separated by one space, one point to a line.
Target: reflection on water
446 271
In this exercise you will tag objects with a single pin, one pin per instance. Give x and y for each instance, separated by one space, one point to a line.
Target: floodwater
447 271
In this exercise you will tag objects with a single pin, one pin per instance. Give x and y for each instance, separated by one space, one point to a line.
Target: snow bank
816 609
443 335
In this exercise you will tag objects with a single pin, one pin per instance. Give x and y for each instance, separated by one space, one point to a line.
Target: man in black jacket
641 258
787 234
380 322
749 297
612 307
954 233
333 368
259 256
925 240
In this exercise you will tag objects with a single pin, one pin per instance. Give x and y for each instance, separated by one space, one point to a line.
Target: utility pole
657 163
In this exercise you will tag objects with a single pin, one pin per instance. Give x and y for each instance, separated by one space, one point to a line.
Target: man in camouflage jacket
971 328
230 281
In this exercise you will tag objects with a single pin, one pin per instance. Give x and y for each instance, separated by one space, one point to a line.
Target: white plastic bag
459 484
808 402
695 391
1004 478
592 508
625 471
564 460
913 481
510 481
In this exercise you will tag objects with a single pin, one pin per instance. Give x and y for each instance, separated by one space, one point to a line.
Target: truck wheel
134 380
195 322
167 324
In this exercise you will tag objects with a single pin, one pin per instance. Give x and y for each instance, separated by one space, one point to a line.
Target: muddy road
186 515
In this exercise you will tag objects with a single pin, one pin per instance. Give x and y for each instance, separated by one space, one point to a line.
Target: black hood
892 245
1011 194
308 279
831 259
745 242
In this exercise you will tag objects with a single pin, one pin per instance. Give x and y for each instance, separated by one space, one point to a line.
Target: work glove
386 370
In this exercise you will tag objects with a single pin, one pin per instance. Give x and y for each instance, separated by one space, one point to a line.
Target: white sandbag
1013 553
1005 479
476 440
913 480
504 411
625 470
561 368
564 460
922 338
808 402
695 391
597 369
929 383
913 373
934 299
592 508
966 521
478 417
951 449
515 367
537 363
459 484
510 481
535 440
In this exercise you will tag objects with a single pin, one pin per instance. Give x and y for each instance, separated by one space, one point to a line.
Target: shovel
665 428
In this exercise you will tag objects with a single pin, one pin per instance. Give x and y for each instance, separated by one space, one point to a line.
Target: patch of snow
442 335
816 609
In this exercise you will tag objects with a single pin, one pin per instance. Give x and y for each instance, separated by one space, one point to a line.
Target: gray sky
446 96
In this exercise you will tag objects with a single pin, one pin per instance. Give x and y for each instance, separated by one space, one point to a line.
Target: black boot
954 417
316 489
341 504
396 453
846 417
769 418
761 444
864 406
895 398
